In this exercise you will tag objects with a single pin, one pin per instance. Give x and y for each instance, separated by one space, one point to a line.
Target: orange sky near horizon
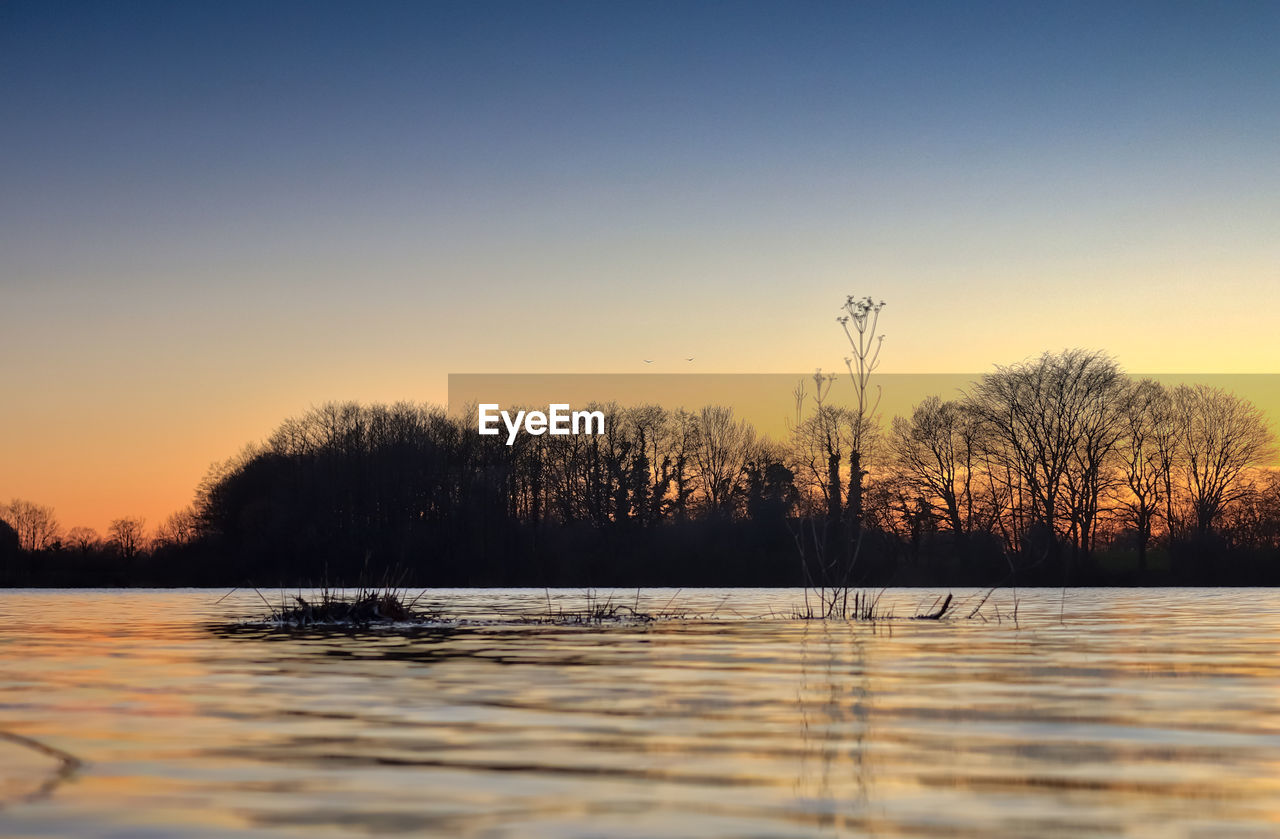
148 461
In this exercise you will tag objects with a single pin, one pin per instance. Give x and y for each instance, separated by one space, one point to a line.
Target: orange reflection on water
1143 713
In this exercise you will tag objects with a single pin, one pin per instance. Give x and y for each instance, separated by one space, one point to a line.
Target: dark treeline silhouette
1059 470
346 491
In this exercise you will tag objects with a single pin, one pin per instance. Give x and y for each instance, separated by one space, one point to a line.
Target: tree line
1060 457
35 549
1058 470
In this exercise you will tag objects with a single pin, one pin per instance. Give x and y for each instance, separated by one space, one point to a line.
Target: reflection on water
1115 711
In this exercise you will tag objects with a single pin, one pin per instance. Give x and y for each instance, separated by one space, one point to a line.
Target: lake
1108 711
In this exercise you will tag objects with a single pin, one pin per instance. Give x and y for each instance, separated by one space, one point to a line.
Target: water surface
1117 712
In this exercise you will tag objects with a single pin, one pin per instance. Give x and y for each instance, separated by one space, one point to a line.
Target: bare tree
684 437
35 524
724 448
1254 520
83 539
818 443
652 466
1049 426
1221 439
128 536
179 528
934 452
1145 460
1099 394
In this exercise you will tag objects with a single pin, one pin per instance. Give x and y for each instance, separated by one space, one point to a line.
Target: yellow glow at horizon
122 411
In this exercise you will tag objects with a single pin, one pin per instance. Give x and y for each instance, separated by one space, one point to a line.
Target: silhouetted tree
10 549
1048 427
1098 397
724 448
83 539
1221 438
819 445
934 452
1145 460
1253 521
179 528
127 536
35 524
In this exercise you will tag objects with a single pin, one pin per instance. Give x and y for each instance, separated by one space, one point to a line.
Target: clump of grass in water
865 607
338 608
599 612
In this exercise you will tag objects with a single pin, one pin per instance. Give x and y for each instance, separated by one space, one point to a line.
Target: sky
216 215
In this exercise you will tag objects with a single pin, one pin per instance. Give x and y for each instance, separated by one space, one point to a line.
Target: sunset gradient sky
215 215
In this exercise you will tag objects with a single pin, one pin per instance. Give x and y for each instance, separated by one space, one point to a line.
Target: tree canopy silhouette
1059 469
